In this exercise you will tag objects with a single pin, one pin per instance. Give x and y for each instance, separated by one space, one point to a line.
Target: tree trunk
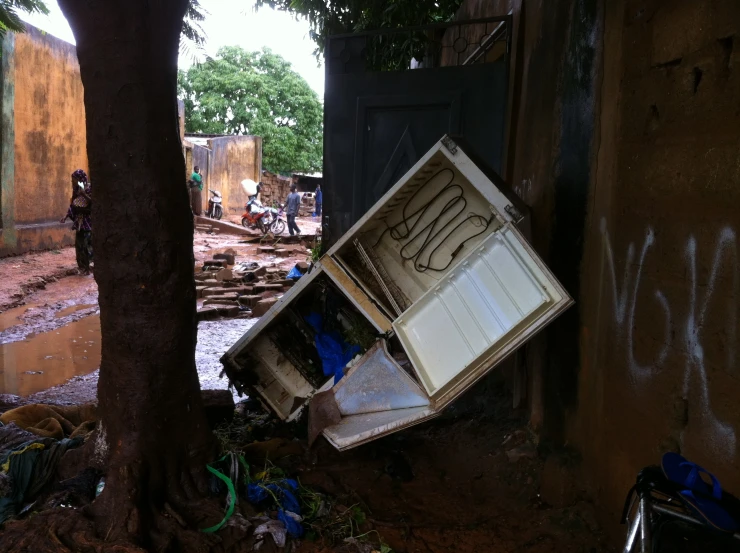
153 434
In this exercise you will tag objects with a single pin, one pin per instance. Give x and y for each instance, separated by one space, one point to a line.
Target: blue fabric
294 274
294 528
335 353
319 196
284 491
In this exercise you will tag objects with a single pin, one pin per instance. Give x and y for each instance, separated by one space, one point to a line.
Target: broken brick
265 287
207 293
249 301
218 406
221 298
228 310
207 313
263 306
228 257
225 274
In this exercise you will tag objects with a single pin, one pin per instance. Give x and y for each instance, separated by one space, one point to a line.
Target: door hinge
448 143
514 212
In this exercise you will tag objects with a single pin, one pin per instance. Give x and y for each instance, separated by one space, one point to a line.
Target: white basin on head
250 187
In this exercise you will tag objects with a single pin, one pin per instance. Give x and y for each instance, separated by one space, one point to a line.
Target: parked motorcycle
256 217
276 221
215 209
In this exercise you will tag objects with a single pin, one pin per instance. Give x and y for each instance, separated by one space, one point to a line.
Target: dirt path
24 274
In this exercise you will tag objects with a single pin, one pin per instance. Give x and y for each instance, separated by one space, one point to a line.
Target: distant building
225 161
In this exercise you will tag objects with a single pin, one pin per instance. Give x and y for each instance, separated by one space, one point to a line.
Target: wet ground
484 493
50 326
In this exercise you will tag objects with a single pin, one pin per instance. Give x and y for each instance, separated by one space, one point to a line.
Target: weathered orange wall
233 159
50 139
49 142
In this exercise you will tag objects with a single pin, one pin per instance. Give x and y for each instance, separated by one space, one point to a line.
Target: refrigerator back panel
442 255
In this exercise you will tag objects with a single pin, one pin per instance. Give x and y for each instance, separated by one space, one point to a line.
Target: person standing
196 189
293 204
80 213
318 198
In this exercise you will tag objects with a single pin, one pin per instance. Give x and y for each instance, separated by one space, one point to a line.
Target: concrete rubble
232 288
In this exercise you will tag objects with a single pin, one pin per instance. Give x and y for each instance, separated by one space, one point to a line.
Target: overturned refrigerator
421 298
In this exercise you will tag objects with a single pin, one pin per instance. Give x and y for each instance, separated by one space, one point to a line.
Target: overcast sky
231 23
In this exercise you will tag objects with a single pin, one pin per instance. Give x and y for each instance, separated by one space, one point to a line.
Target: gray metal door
377 124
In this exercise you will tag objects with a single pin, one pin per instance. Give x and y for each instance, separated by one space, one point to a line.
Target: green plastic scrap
232 491
232 495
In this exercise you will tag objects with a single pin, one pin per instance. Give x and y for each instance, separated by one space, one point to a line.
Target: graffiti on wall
720 436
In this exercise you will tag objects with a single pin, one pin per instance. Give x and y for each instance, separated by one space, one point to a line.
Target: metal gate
384 108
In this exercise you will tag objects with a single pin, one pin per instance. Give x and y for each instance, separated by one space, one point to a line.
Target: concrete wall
625 140
660 328
43 139
233 159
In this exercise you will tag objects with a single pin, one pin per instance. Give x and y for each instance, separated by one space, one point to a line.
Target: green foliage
349 16
258 93
193 37
9 19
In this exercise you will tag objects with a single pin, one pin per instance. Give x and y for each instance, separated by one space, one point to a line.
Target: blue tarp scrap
335 353
294 273
283 491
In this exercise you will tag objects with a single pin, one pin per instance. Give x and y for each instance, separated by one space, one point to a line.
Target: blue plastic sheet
294 274
284 492
335 353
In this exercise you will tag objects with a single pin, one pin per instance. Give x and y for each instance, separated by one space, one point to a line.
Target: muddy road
50 326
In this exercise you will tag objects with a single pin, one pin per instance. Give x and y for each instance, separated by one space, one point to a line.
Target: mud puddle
44 360
12 317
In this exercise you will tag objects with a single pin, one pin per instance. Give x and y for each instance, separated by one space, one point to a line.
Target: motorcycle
276 223
256 217
215 209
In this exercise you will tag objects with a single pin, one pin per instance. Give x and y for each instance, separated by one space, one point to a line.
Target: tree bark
153 435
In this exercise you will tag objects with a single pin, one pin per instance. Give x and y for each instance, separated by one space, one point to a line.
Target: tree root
65 530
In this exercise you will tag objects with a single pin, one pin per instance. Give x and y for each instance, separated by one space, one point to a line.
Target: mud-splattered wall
43 139
660 327
233 159
625 142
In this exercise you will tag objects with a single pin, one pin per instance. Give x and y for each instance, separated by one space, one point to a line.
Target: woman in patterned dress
80 213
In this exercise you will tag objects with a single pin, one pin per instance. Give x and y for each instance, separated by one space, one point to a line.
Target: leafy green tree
258 93
350 16
9 19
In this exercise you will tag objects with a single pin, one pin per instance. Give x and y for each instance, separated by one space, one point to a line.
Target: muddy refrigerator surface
425 294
